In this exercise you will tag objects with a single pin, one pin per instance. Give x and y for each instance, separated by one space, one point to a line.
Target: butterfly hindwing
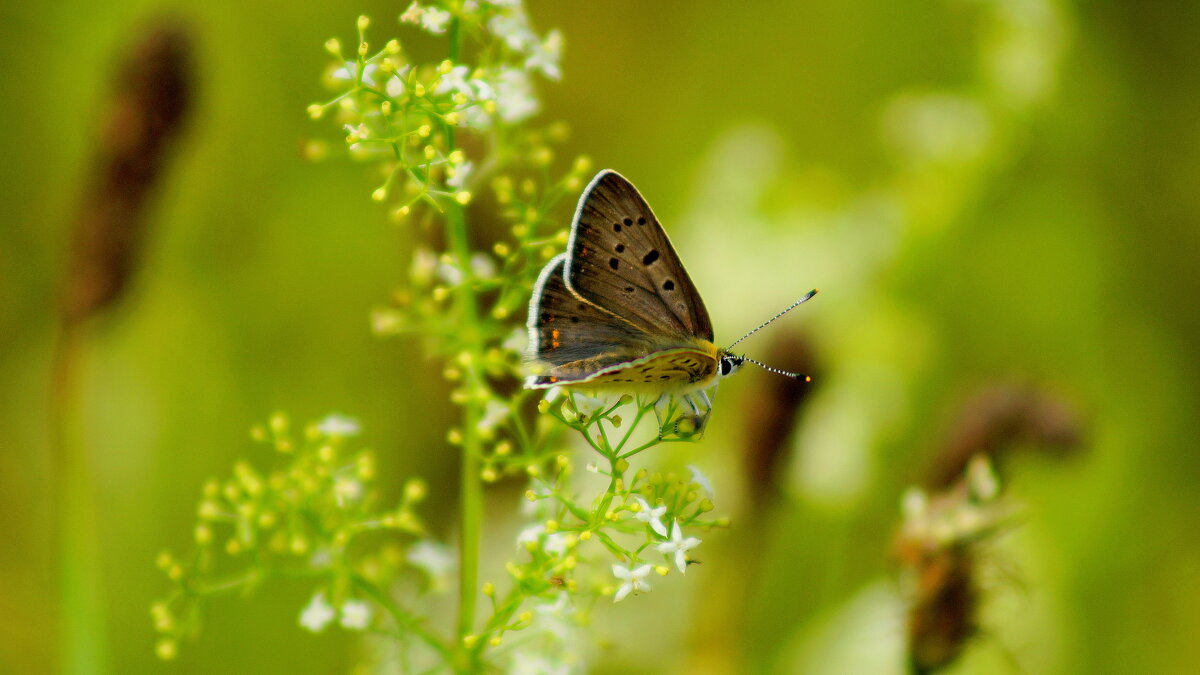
665 370
565 329
621 260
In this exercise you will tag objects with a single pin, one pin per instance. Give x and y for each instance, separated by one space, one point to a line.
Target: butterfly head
729 363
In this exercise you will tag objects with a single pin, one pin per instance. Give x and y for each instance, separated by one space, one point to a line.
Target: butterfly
618 312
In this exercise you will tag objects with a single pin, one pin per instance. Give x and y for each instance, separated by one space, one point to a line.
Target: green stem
80 589
471 486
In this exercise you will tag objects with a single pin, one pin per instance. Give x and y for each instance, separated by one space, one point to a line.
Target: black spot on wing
668 285
649 258
613 263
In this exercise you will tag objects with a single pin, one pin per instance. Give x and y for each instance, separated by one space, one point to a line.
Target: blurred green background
986 192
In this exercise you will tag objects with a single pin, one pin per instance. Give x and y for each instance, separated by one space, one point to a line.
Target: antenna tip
807 378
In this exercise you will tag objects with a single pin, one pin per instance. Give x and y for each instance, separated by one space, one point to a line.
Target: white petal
700 479
338 425
395 87
623 591
356 615
317 614
658 527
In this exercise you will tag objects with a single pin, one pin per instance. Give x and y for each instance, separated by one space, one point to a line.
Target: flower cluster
605 532
440 137
403 115
299 519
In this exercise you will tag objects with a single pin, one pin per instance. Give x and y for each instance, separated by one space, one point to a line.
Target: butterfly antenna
785 373
794 305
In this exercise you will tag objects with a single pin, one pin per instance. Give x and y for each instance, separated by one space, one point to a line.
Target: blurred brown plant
151 97
1001 418
771 412
939 545
149 102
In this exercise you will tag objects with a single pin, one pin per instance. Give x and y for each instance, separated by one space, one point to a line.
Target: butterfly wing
620 260
571 338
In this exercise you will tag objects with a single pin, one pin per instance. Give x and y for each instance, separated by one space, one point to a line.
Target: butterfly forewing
621 260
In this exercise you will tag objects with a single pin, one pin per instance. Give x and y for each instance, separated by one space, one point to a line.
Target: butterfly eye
726 367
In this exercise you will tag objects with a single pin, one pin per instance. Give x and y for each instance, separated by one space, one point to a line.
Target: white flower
678 546
455 80
357 133
652 516
493 414
700 479
346 72
424 264
320 558
346 490
516 341
338 425
483 90
530 535
482 266
317 615
356 615
556 544
412 14
515 99
434 20
369 71
395 87
915 504
587 405
634 580
449 273
435 560
544 56
457 175
349 71
981 479
513 29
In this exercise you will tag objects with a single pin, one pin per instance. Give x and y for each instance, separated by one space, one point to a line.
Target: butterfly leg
693 424
663 409
702 406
